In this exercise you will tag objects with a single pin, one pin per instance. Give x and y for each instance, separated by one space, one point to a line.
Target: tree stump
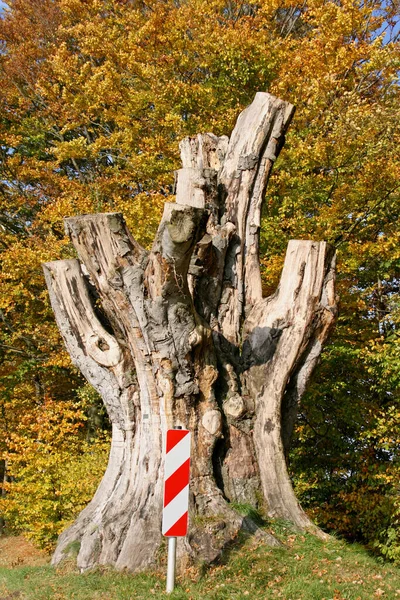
181 336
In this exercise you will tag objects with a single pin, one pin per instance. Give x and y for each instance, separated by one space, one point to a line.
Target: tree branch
254 146
92 349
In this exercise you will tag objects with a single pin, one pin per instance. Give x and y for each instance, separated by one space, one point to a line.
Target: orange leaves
95 98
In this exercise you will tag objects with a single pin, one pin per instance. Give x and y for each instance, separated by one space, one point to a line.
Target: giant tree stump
181 336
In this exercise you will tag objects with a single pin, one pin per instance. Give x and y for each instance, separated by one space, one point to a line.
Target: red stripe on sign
178 480
174 436
179 528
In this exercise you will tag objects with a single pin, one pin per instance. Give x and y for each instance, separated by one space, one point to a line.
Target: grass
305 569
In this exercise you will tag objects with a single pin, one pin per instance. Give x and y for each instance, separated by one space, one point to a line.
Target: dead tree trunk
181 335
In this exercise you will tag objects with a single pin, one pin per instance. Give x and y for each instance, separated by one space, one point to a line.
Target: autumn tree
95 97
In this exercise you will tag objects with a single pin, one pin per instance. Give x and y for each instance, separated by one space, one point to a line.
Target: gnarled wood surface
181 336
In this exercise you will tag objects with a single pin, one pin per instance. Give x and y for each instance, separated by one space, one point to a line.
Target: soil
16 551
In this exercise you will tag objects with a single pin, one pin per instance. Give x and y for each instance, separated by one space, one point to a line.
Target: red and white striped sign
176 483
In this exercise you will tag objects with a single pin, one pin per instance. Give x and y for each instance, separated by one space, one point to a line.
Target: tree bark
181 336
3 480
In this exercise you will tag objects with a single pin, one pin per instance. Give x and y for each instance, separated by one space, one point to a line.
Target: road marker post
176 494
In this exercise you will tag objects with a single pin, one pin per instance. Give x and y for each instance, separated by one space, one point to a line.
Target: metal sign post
171 564
176 494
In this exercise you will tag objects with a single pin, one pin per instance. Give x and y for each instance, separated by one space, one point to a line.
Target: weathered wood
254 146
181 336
282 333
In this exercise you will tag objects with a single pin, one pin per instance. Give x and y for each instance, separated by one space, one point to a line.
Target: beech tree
181 336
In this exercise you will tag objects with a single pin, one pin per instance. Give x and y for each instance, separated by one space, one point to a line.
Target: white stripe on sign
177 506
176 483
182 449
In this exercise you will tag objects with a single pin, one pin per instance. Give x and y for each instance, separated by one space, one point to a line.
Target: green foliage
351 419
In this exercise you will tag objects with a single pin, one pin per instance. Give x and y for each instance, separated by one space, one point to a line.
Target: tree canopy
94 99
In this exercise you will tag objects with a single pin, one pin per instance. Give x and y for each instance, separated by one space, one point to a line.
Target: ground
305 568
16 551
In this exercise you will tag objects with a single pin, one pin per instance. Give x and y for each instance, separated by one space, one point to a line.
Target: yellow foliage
96 96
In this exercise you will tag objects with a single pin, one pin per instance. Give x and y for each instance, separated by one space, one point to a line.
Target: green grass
306 568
